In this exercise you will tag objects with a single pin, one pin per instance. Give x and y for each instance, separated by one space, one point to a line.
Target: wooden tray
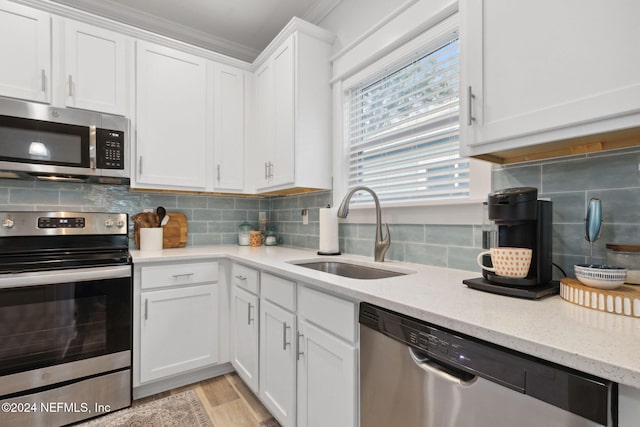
624 300
175 232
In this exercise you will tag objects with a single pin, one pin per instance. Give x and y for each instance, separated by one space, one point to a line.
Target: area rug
182 409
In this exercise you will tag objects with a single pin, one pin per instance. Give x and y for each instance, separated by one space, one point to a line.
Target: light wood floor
228 401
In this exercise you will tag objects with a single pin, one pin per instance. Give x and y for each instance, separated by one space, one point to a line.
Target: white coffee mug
508 262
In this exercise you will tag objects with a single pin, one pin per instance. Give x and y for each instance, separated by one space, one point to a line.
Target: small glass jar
271 239
244 231
255 238
627 256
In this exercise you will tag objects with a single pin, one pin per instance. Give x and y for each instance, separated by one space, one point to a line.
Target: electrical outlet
305 216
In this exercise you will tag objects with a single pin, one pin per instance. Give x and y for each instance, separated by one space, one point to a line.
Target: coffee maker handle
479 261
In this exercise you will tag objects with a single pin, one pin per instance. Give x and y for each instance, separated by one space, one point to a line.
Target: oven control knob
108 223
8 223
120 223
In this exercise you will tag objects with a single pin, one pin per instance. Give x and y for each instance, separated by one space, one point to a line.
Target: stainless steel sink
353 271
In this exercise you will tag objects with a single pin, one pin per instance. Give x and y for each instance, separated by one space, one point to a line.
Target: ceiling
237 28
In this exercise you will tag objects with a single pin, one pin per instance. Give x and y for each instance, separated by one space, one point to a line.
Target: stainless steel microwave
62 144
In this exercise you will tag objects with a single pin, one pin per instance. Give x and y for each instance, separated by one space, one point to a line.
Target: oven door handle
51 277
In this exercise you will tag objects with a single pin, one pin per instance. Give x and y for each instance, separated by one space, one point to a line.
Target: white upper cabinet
172 151
25 49
229 92
541 72
95 64
292 144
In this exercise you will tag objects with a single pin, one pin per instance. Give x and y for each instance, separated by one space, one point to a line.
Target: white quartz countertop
602 344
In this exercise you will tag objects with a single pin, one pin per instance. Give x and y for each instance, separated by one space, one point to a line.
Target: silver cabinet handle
177 276
44 80
140 166
298 352
470 98
70 85
218 172
249 319
266 169
270 170
146 308
240 277
284 335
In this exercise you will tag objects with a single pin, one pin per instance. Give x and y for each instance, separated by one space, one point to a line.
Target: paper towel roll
329 244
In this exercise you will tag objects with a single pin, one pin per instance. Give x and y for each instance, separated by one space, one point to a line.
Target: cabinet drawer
331 313
158 276
279 291
245 278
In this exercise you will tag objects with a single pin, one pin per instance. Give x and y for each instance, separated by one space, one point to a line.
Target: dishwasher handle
441 370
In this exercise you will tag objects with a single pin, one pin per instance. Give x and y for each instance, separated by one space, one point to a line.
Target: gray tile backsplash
211 219
613 177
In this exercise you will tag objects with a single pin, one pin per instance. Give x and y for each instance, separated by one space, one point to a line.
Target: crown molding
148 27
295 24
320 10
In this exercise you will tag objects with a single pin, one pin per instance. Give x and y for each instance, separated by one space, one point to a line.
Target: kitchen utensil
593 223
600 276
175 231
508 262
627 256
165 220
161 213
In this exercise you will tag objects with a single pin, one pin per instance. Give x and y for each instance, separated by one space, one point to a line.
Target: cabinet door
244 335
265 107
282 171
278 362
179 330
96 68
327 392
229 135
25 49
171 110
544 85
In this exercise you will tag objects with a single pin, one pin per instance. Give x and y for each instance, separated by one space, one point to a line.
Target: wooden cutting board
174 233
624 300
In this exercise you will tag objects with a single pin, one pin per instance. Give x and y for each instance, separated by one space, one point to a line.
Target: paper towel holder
329 253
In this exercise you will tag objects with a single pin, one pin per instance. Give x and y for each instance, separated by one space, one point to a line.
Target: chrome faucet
381 245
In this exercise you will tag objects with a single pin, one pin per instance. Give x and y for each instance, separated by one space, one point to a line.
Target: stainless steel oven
65 316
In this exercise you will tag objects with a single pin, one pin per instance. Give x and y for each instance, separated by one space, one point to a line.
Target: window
403 131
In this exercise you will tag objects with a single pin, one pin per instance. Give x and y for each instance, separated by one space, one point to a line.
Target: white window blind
403 132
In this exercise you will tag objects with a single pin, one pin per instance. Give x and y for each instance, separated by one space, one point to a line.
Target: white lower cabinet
326 379
178 330
278 362
307 352
244 336
327 360
179 316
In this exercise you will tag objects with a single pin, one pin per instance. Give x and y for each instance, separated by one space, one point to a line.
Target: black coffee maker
521 221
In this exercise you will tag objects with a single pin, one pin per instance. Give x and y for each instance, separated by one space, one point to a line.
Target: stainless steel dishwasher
415 374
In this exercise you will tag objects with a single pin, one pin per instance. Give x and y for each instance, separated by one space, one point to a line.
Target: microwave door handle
92 147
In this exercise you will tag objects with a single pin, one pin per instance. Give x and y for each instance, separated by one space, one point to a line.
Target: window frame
443 211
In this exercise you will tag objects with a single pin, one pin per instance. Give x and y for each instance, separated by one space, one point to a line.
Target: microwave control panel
110 146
